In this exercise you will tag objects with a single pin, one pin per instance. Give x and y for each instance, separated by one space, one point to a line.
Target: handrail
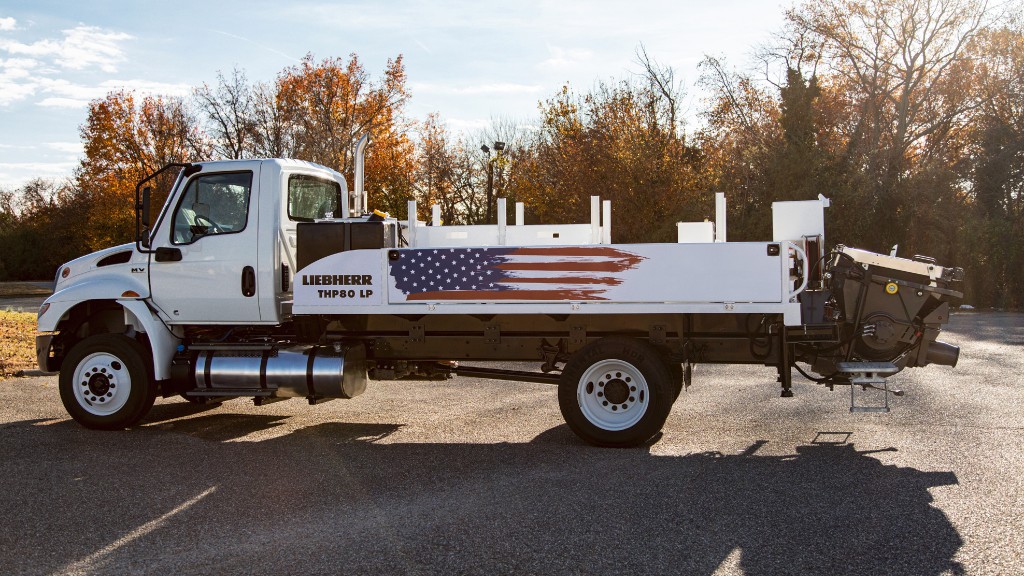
807 273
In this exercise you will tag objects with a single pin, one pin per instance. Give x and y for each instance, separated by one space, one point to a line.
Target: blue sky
468 61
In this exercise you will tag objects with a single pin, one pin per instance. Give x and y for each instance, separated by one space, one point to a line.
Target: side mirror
146 192
144 216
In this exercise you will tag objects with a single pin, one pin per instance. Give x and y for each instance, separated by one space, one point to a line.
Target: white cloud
65 94
16 174
82 47
147 87
68 147
57 102
16 81
8 24
87 46
12 92
566 58
36 68
464 125
490 89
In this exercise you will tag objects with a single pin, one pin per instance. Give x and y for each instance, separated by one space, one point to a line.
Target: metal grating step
869 375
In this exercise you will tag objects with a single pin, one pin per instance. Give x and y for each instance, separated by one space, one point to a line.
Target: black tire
639 390
675 371
105 383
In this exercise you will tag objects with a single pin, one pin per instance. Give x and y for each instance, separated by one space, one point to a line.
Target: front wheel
616 392
104 383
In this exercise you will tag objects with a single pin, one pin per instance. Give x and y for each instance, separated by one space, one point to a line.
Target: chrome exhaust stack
360 200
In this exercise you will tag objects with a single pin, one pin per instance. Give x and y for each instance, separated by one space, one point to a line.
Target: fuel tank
300 371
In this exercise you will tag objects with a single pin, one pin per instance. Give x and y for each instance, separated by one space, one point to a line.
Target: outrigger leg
785 365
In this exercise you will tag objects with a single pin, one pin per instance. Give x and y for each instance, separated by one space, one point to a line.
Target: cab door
203 268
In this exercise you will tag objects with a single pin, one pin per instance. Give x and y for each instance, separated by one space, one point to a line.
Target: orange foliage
331 103
124 141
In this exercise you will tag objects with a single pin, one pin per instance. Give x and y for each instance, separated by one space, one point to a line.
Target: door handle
248 282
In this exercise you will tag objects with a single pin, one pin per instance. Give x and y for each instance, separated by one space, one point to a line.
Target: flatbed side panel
349 282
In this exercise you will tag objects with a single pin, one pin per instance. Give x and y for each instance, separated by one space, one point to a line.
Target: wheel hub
616 391
99 384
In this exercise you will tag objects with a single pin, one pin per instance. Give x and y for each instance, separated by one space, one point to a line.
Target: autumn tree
993 236
896 61
741 139
124 141
34 230
331 103
445 174
230 109
620 141
327 106
272 135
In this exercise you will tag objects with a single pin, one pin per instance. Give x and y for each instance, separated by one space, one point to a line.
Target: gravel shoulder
480 477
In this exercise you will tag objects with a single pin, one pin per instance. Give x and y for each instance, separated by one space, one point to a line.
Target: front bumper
43 359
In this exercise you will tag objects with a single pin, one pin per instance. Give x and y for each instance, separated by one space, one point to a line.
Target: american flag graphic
529 273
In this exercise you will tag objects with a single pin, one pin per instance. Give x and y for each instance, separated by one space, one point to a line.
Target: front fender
100 287
163 342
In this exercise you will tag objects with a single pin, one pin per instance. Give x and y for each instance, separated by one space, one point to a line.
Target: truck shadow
339 498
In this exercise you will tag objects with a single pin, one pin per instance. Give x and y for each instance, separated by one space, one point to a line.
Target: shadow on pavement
338 498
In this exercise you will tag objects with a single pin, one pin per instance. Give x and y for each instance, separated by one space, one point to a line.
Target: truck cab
221 252
224 249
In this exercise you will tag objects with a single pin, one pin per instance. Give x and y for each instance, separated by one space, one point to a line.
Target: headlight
43 309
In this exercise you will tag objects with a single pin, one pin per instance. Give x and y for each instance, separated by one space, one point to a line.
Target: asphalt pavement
25 303
482 477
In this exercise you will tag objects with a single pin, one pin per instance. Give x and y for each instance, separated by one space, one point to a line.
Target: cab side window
311 198
212 204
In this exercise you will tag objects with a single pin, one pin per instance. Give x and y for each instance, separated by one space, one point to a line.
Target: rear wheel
104 383
676 377
616 392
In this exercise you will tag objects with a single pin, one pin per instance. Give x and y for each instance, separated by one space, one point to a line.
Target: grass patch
22 289
17 342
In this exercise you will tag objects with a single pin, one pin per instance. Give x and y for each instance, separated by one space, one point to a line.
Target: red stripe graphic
507 295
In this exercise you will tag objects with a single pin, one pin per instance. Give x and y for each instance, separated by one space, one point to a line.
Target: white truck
267 279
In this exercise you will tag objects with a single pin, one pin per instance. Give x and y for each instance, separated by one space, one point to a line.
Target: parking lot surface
482 477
